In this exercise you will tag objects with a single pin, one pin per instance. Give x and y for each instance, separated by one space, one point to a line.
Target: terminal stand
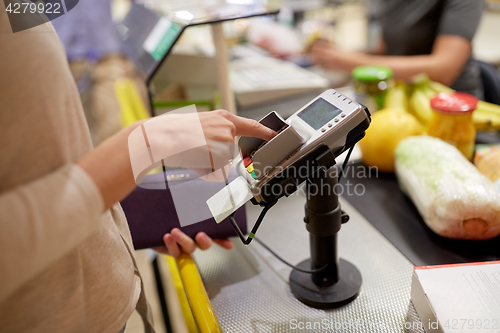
339 282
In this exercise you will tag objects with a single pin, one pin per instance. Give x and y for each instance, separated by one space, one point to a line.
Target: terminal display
319 113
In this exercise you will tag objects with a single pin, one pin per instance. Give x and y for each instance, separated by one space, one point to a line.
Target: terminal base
342 292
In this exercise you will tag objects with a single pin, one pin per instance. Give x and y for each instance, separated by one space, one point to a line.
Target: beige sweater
64 266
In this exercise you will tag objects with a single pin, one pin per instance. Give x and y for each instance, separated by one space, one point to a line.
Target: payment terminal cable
344 165
251 236
317 270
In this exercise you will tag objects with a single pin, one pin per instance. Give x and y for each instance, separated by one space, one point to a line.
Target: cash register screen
319 113
147 37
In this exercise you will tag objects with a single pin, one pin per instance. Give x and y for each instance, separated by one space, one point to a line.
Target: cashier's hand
323 54
177 242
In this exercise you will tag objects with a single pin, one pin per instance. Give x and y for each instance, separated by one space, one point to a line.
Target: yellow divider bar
181 294
131 104
200 303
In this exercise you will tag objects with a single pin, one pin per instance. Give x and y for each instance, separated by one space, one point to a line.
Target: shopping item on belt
452 196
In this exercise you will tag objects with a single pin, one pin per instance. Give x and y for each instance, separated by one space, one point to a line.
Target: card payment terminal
308 140
306 146
307 143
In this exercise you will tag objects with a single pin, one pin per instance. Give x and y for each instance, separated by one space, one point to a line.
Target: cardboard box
458 298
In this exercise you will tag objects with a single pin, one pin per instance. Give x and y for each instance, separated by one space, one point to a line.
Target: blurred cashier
431 36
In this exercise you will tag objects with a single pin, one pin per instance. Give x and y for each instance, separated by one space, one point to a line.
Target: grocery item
485 121
387 128
396 97
452 196
487 161
452 120
420 103
439 87
371 84
487 115
420 90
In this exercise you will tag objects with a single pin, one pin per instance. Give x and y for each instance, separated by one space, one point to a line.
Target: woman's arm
109 164
43 220
449 55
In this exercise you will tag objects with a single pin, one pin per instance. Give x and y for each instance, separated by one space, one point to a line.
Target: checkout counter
249 288
385 238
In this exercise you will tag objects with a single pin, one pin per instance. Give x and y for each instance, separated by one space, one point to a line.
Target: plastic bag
452 196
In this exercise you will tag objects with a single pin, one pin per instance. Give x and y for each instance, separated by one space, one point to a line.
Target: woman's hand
223 126
177 242
109 165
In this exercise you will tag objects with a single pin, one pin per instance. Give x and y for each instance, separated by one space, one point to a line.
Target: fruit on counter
397 98
486 116
484 121
422 90
420 104
452 196
388 127
487 161
439 87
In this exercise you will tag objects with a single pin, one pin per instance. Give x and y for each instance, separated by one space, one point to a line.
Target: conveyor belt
395 216
249 290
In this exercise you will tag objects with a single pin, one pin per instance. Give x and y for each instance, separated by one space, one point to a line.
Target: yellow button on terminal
250 168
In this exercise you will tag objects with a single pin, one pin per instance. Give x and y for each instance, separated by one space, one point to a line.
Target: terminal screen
319 113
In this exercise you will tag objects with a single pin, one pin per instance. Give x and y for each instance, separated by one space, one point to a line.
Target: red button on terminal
247 161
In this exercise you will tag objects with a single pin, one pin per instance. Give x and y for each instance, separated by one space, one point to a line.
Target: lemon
388 127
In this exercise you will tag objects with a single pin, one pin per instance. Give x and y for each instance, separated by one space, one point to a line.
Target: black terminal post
340 281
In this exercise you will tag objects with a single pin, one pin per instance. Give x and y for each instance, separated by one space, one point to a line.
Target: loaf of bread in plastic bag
452 196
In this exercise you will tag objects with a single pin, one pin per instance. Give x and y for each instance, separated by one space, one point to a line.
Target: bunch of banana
420 102
415 97
397 97
486 116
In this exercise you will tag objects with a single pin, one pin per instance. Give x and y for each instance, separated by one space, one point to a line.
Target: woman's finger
171 244
203 241
187 243
225 243
161 249
250 127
